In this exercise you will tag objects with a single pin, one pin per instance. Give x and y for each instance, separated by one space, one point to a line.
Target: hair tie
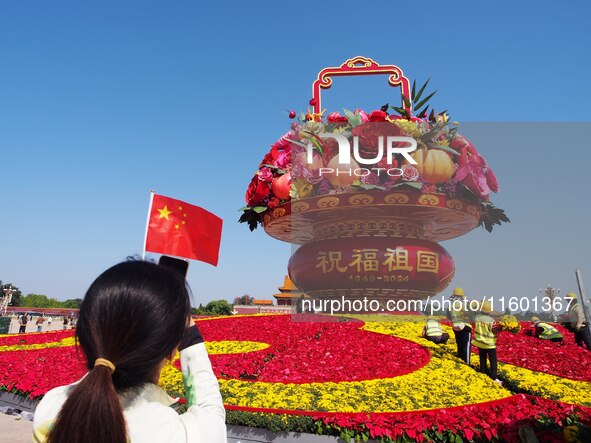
104 362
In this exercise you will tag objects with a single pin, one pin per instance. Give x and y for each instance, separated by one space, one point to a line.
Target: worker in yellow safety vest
578 323
460 323
434 332
485 339
546 331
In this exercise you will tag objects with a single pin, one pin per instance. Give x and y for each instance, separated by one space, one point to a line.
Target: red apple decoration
281 186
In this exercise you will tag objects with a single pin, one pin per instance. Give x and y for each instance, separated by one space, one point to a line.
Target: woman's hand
192 335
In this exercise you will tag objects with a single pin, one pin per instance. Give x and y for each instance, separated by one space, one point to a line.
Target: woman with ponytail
134 318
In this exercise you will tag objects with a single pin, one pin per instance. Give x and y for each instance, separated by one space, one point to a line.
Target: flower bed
567 360
543 368
34 372
304 352
370 378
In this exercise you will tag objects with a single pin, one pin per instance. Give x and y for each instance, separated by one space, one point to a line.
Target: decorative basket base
371 267
403 213
376 245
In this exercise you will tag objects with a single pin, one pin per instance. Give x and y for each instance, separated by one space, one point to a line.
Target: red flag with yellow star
183 230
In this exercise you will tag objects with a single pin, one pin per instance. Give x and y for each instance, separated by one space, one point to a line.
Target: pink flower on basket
283 158
265 175
472 176
283 142
370 179
363 115
491 179
410 173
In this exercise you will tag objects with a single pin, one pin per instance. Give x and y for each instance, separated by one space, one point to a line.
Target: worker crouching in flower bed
433 331
545 331
485 339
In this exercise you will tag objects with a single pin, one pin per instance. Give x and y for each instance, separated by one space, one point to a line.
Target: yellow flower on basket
302 188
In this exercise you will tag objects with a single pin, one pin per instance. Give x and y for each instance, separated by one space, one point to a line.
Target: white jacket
147 411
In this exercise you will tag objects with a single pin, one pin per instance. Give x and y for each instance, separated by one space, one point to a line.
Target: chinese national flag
180 229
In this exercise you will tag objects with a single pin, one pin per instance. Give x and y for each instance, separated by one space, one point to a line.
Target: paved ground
15 430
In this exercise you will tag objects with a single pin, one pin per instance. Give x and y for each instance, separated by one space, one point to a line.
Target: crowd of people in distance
482 330
24 318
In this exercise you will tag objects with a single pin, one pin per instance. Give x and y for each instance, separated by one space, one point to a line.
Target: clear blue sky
102 101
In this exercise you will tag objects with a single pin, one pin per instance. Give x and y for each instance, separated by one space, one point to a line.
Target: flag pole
147 224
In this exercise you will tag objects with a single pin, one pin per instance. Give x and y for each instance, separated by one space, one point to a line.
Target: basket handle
358 66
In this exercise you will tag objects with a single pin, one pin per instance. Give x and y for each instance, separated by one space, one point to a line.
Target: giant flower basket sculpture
369 196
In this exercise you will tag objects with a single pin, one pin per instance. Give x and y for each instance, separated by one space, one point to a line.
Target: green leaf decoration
403 112
425 100
414 88
275 168
418 96
251 218
259 209
317 141
423 111
368 187
491 215
354 118
296 142
444 148
406 101
432 134
416 185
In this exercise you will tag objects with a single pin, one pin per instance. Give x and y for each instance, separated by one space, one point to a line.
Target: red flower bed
501 418
36 372
34 338
305 352
567 360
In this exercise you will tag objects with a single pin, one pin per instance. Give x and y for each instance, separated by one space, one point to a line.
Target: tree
16 295
219 307
244 300
72 303
37 301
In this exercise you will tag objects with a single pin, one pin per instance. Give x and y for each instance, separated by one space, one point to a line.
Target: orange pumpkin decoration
346 175
434 165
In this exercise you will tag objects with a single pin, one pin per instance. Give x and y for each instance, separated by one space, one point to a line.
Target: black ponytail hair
134 315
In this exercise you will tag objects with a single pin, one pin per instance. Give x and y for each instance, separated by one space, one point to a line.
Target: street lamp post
551 293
